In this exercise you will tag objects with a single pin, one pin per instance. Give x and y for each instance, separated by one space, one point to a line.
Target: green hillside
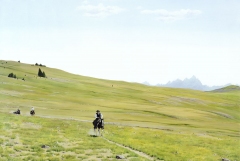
62 94
67 96
231 88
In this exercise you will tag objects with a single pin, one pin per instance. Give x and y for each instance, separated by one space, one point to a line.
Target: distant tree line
41 73
40 65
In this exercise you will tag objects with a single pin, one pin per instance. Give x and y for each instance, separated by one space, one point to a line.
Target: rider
98 115
18 111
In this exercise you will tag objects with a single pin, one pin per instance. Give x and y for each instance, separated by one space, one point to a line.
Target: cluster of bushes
40 65
12 75
41 73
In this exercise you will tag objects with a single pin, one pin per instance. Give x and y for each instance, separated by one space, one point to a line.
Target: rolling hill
63 95
231 88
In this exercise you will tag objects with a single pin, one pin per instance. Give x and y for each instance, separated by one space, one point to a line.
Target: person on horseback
98 122
32 112
17 112
98 117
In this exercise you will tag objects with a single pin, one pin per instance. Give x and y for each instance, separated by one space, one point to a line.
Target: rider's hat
97 111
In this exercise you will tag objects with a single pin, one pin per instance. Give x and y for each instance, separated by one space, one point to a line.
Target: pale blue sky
137 40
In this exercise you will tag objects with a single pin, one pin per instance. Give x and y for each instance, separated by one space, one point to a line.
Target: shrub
40 65
11 75
41 73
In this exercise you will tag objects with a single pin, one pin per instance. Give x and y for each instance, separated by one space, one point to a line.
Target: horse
98 124
17 112
32 112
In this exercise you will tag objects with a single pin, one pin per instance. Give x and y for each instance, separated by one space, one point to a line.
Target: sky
139 40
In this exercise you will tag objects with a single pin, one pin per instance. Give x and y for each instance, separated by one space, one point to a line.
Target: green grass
186 119
169 145
63 138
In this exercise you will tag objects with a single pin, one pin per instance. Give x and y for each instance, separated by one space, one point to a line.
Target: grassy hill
208 119
231 88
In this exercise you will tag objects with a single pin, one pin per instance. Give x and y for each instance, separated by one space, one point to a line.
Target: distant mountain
146 83
190 83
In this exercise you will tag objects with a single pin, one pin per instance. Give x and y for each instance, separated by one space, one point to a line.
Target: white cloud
165 15
99 10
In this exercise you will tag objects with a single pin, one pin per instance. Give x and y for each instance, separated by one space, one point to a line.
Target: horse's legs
100 131
95 131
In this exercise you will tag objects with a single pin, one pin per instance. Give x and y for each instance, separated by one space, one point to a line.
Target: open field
22 138
166 123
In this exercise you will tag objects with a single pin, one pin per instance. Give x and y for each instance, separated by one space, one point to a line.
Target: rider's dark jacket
99 115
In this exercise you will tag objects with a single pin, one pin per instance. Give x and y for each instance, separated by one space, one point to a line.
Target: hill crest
229 88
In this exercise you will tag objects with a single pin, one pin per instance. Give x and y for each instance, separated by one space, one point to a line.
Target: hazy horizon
136 41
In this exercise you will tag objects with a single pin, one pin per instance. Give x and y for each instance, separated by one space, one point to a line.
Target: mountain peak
193 77
146 83
190 83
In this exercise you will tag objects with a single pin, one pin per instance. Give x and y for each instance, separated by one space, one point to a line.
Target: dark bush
43 74
40 73
40 65
11 75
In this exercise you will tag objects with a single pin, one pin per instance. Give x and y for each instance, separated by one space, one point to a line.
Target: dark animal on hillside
17 112
32 112
98 124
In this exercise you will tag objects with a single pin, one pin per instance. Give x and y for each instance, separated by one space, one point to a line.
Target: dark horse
32 112
17 112
98 124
